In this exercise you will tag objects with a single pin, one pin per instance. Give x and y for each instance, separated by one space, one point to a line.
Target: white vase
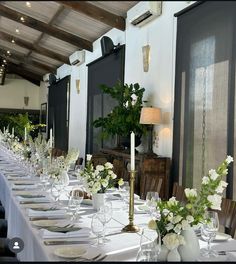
191 250
173 255
64 178
163 254
98 200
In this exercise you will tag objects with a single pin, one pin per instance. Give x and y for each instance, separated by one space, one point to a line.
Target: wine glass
97 227
208 232
76 196
151 201
124 192
56 191
105 215
150 245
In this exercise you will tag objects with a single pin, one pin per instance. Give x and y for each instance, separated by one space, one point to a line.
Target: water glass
150 245
75 199
56 191
151 201
97 227
105 215
124 192
208 232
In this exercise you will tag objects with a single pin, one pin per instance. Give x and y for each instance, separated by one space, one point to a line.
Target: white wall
160 34
13 91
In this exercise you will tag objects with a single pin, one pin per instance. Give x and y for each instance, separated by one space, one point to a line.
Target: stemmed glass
56 191
75 199
150 245
124 192
105 215
151 201
97 227
208 232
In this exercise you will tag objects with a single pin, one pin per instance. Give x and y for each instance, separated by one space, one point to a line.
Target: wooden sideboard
155 166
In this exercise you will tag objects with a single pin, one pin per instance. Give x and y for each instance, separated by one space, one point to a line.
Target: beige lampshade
150 115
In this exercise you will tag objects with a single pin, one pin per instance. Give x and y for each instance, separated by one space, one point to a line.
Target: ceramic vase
191 250
98 200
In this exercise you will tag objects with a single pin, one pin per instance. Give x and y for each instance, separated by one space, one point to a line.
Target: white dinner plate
44 223
222 237
70 252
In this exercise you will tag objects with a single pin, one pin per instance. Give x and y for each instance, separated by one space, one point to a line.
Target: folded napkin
39 199
23 187
226 246
50 213
141 209
83 232
18 178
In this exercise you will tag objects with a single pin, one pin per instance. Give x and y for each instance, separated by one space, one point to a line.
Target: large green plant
124 118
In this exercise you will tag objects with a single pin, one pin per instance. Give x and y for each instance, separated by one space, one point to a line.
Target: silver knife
65 242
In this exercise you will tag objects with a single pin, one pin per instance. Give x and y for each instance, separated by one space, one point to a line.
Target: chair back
178 192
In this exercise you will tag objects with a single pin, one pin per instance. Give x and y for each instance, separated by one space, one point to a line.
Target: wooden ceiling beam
96 13
23 72
24 60
43 27
27 45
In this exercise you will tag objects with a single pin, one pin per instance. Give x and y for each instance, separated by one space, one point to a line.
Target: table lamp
150 116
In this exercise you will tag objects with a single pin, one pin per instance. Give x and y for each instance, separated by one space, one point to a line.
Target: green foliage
125 116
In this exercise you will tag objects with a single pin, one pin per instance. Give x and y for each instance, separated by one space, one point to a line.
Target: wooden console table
156 166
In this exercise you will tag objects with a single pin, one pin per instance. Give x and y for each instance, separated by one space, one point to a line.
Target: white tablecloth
122 247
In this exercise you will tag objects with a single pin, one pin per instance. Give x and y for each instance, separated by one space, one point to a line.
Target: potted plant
124 118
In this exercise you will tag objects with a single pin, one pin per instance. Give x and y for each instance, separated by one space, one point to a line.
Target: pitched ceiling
41 35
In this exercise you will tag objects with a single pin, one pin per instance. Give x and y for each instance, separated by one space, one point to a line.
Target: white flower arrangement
173 217
99 179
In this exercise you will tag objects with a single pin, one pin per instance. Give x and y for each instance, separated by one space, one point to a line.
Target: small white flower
165 212
171 241
152 224
100 167
190 192
104 183
172 201
215 201
113 176
189 218
213 174
178 228
177 219
185 224
108 165
205 180
229 159
222 185
170 217
169 226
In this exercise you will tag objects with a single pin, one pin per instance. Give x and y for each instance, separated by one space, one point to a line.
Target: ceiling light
17 30
13 41
28 4
3 65
4 61
22 19
8 52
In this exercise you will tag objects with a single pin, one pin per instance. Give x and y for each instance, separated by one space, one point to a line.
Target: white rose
169 226
96 172
185 225
222 185
215 201
172 201
88 157
178 228
170 217
100 167
229 159
104 183
177 219
113 176
205 180
189 218
190 192
108 165
213 174
171 241
165 212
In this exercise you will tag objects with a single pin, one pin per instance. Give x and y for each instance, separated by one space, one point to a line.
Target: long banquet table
121 247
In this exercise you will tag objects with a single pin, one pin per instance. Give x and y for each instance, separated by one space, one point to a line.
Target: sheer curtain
204 92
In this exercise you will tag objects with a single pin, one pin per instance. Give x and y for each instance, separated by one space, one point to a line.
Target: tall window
204 121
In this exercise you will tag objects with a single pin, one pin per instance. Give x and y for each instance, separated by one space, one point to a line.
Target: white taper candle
50 142
25 134
132 151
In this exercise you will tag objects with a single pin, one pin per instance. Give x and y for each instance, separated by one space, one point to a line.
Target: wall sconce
146 57
78 86
26 100
150 116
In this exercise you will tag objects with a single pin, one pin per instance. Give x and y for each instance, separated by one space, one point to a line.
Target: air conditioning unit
144 12
77 57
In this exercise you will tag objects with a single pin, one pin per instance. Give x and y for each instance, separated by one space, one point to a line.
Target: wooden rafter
96 13
43 27
23 72
25 60
34 47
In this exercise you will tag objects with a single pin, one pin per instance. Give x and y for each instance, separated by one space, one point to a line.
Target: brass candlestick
131 228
